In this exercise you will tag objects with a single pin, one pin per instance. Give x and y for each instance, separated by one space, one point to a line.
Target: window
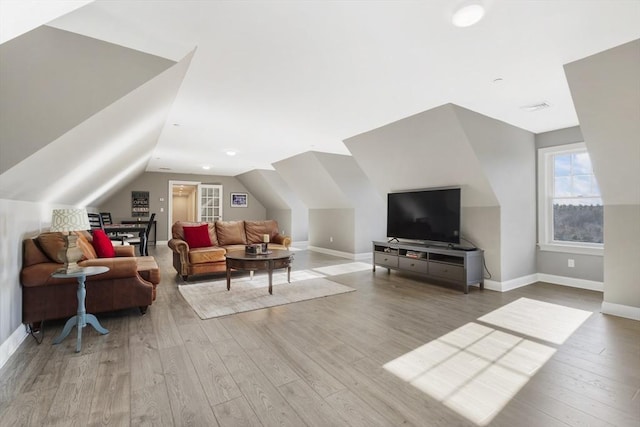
570 211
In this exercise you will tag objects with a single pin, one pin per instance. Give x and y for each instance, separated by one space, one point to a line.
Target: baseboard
11 344
621 310
302 244
358 257
509 285
571 281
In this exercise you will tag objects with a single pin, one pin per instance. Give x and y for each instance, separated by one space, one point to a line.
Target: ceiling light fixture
468 14
206 167
231 153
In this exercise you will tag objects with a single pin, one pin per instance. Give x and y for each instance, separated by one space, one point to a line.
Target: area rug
211 299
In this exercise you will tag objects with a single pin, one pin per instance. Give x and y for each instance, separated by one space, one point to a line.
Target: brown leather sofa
130 282
225 236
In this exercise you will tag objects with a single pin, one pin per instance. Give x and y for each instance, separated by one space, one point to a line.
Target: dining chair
119 236
106 218
143 239
95 221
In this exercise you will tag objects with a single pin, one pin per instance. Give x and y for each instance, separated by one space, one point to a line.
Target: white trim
591 285
361 256
621 310
569 249
509 285
519 282
302 244
11 344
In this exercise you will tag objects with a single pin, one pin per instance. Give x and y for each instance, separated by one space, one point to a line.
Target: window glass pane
562 165
578 221
581 185
581 163
562 186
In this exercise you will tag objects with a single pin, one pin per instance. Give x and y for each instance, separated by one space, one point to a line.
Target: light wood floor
315 363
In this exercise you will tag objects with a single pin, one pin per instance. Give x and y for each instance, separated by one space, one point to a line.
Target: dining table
137 228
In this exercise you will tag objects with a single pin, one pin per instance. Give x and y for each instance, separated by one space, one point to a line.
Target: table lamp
66 221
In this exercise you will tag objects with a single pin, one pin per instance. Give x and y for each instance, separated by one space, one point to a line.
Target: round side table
81 319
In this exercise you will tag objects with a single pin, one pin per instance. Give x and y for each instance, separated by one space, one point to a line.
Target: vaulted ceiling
271 80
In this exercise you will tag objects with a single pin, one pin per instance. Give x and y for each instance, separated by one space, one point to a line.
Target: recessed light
468 14
498 80
230 153
206 167
176 124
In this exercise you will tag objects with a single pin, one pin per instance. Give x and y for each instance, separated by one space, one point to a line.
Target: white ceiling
272 79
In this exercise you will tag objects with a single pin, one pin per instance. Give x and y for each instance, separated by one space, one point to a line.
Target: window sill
571 249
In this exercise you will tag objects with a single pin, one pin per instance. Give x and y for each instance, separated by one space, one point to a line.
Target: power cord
484 261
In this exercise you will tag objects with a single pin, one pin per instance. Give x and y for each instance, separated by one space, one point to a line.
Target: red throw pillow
197 237
102 245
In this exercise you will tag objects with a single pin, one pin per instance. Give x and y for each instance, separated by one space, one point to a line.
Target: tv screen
428 215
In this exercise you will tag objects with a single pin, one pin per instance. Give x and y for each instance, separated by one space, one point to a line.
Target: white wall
18 221
606 92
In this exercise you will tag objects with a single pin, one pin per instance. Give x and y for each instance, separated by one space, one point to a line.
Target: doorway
183 202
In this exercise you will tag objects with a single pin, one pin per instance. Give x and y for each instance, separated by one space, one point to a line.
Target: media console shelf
452 265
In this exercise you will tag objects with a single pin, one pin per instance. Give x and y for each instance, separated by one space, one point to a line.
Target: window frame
545 204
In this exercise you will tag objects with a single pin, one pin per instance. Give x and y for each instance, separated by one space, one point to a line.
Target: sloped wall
100 155
507 158
606 92
52 80
281 202
345 211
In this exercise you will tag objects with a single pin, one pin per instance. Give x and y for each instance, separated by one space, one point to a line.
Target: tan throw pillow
51 244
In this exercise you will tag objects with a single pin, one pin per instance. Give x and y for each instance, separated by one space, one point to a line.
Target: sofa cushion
177 230
51 244
205 255
197 237
231 233
102 244
255 230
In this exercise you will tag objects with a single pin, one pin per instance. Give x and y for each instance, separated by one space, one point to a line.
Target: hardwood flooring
313 363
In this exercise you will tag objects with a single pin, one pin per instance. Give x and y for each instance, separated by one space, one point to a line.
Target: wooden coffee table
240 260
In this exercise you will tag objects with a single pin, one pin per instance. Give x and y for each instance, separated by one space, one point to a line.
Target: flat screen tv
427 215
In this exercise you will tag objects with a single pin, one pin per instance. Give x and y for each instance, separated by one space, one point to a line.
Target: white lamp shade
70 220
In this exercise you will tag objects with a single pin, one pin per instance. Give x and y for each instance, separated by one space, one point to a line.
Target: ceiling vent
536 107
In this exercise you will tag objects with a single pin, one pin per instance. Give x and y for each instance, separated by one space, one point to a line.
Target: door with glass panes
209 202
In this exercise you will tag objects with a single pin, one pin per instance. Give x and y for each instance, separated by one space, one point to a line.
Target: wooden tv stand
464 267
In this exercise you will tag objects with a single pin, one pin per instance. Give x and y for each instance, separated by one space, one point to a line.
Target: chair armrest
282 240
181 248
125 251
118 267
178 245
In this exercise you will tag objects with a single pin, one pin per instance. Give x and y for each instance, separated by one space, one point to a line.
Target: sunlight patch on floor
476 370
549 322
